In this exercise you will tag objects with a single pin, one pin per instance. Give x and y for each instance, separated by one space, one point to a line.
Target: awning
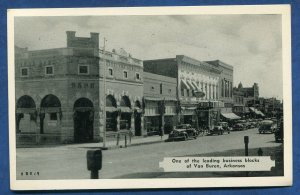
153 98
189 108
25 110
191 85
262 114
184 85
195 85
258 112
111 109
125 109
230 115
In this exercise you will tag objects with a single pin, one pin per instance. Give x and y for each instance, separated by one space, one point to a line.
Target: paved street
69 161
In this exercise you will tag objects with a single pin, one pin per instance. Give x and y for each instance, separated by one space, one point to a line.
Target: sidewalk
135 141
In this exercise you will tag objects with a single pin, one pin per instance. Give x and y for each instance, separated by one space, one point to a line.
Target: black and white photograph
156 97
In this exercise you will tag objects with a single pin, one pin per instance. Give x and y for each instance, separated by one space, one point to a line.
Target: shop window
49 70
53 116
24 72
83 69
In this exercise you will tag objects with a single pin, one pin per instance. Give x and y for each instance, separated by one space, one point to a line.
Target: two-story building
160 103
59 92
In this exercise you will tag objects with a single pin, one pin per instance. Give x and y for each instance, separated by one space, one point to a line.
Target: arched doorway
137 118
26 115
111 113
83 120
125 119
50 114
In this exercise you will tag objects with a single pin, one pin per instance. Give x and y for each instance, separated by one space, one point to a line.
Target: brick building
57 92
160 99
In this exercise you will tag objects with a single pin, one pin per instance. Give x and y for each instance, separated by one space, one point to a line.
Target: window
160 88
53 116
49 70
182 92
24 72
125 74
110 72
83 69
137 76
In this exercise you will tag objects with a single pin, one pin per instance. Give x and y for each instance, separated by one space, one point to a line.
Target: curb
129 145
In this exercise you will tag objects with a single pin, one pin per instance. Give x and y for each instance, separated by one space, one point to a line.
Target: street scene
109 103
69 161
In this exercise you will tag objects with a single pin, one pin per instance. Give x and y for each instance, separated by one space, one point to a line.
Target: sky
252 44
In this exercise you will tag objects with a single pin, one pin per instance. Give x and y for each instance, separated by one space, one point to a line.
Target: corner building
57 92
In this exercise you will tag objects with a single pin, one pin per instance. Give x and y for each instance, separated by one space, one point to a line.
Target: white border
285 180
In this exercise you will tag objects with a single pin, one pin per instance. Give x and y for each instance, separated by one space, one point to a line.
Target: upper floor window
160 88
83 69
24 72
110 72
125 74
137 76
49 70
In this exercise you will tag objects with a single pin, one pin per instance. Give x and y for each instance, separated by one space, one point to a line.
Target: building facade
59 92
160 100
198 87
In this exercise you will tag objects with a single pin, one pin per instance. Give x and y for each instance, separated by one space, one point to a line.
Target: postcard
150 97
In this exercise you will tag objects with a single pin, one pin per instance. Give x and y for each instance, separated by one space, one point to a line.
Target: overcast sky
250 43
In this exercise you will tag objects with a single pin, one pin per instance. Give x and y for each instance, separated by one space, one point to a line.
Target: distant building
251 94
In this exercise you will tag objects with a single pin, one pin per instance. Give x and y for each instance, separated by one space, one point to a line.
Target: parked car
183 132
238 127
267 126
243 122
279 132
220 129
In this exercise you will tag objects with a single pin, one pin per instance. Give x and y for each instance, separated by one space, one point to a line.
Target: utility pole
104 100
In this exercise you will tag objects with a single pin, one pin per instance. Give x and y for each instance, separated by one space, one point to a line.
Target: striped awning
195 85
191 85
184 85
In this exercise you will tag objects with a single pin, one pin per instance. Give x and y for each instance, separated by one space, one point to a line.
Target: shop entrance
83 120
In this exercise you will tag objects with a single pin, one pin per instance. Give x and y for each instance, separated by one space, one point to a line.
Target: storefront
152 116
208 115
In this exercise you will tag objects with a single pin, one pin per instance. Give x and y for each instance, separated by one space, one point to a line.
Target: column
142 125
132 124
118 121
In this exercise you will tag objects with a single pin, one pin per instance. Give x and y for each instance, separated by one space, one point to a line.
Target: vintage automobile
238 127
267 126
183 132
220 129
243 122
279 132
